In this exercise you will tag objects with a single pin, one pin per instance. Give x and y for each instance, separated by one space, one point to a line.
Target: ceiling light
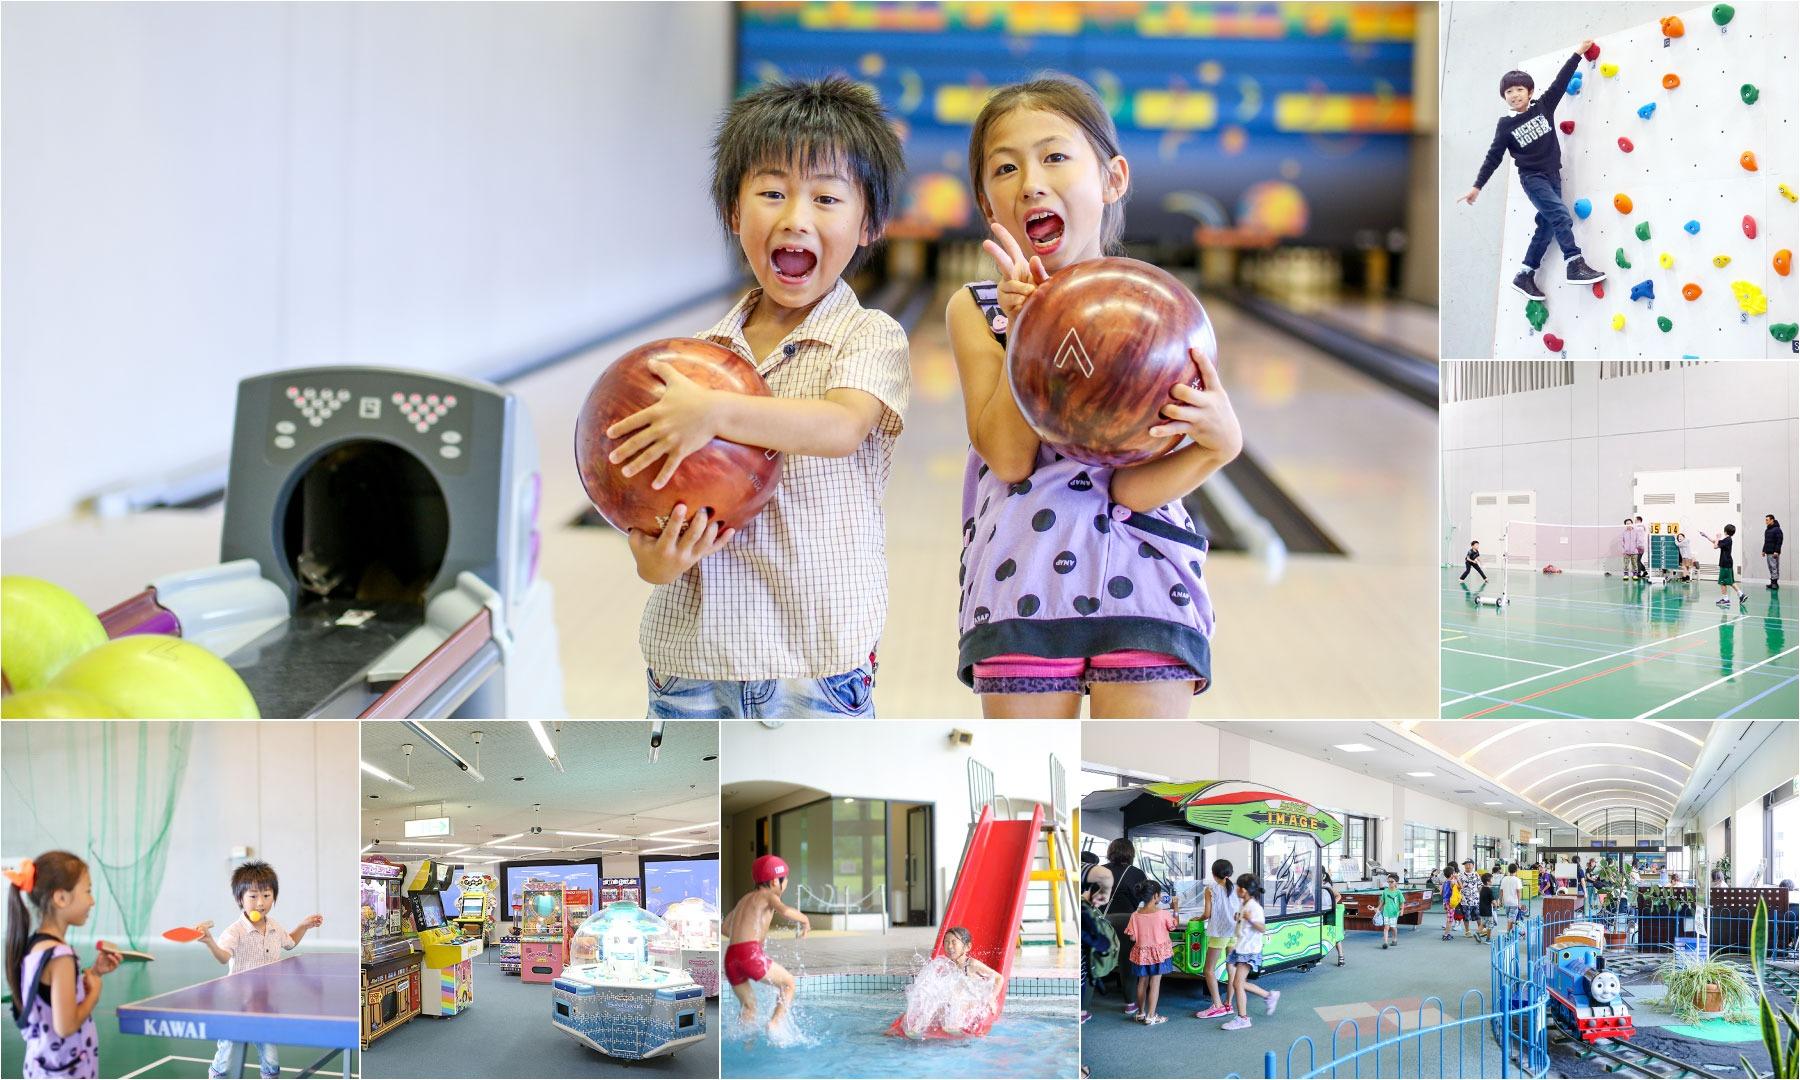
684 843
657 851
515 847
379 775
1354 748
682 829
1421 774
502 839
1496 802
365 851
1515 811
433 843
592 835
443 748
543 738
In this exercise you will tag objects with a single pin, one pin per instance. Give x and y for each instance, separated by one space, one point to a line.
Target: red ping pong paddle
183 934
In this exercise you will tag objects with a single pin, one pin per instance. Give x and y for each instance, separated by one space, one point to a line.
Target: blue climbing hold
1693 228
1647 110
1583 208
1575 83
1644 290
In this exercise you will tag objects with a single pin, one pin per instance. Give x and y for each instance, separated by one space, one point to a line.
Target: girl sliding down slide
955 994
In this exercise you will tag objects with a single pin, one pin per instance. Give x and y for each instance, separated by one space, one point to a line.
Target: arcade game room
540 899
1653 865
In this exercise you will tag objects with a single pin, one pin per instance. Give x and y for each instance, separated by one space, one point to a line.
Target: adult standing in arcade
1121 855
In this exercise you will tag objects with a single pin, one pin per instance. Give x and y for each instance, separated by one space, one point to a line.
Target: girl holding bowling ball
1076 580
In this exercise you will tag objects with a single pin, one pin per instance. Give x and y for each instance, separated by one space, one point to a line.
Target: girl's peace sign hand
1019 277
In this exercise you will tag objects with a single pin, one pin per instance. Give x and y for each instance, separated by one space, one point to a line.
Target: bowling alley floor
1591 647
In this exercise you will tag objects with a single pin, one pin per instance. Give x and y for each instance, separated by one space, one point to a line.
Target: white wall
196 193
284 790
1577 446
1766 770
1482 40
910 761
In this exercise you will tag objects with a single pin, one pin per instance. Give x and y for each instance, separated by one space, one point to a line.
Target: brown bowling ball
729 480
1094 353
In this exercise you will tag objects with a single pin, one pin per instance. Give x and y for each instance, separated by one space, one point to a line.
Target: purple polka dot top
1053 568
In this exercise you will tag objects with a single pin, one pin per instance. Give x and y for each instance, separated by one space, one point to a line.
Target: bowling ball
42 628
1094 353
52 704
157 677
729 480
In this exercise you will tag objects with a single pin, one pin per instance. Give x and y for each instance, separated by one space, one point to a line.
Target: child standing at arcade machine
253 941
1045 167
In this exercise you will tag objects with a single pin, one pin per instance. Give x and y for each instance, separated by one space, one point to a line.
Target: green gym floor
1590 647
143 1056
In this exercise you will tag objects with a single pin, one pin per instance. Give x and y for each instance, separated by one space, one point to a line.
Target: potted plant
1697 989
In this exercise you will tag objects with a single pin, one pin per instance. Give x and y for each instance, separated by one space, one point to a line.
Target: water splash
942 997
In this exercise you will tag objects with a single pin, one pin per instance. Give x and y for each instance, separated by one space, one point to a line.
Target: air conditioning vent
1712 498
1487 500
1659 499
1518 500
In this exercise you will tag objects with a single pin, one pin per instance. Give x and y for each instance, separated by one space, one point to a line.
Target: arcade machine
614 889
390 967
477 907
580 905
692 943
379 555
543 930
624 1005
448 974
1278 837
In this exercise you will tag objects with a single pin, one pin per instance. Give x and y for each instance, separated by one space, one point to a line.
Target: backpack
1455 895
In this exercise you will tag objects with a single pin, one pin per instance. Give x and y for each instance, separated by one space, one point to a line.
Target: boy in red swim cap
748 923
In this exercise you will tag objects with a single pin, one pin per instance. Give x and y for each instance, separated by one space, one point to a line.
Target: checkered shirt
801 591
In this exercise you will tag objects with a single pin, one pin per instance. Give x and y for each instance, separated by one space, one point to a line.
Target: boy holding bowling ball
781 618
1077 580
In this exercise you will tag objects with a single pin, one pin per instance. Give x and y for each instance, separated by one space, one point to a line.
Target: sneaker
1722 602
1131 1009
1086 1016
1236 1023
1384 944
1216 1010
1525 283
1152 1021
1577 272
1269 1005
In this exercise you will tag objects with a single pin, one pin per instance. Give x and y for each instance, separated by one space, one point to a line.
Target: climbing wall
1684 184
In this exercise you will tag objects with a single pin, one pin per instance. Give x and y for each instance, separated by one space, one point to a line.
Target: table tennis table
309 1000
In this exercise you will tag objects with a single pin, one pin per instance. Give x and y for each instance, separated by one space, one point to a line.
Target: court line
159 1061
1553 641
1491 656
1522 705
1735 709
1597 659
1584 678
1715 682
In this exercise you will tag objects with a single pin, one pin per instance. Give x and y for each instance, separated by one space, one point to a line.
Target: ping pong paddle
183 934
124 955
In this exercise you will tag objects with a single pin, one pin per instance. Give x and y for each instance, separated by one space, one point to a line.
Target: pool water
846 1035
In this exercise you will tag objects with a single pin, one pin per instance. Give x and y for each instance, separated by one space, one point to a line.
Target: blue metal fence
1724 931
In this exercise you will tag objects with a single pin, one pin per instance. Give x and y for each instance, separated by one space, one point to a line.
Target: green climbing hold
1663 323
1784 331
1537 314
1643 230
1619 257
1749 93
1722 13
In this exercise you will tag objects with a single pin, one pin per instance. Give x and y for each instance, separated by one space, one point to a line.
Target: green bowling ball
156 677
42 627
52 704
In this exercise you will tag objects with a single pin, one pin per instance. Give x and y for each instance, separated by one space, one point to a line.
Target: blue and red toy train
1585 996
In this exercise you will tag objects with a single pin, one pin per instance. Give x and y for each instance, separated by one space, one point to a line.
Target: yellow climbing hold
1618 322
1750 298
1786 192
1609 70
1720 261
1665 260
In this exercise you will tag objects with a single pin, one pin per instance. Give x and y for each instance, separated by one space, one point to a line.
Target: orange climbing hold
1784 261
1671 81
1671 26
1748 160
1622 203
1690 291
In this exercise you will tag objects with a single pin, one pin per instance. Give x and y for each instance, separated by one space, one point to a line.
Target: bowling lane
1397 324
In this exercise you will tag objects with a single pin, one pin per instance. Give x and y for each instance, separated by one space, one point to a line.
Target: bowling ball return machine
379 552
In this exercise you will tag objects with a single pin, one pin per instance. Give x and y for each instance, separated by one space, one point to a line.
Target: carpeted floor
508 1033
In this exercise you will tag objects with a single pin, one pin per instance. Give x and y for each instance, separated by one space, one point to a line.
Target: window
1172 861
1781 833
1487 851
1290 874
1350 856
837 853
1427 849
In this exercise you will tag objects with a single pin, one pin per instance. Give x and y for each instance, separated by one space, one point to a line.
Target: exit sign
433 826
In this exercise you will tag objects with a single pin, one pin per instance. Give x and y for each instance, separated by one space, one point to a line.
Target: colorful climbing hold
1600 290
1663 323
1575 84
1750 297
1693 228
1619 257
1786 192
1568 127
1671 26
1690 291
1618 322
1749 226
1583 208
1643 230
1748 160
1721 261
1749 93
1784 261
1646 110
1622 203
1609 69
1666 261
1537 315
1593 52
1553 343
1644 290
1784 331
1671 81
1625 144
1722 13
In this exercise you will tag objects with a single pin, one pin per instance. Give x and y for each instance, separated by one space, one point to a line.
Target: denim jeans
1545 193
676 698
267 1063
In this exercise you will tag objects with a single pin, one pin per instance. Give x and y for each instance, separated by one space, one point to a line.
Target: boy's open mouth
1045 230
793 265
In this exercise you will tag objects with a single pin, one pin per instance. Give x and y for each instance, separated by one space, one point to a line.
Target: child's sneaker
1152 1021
1216 1010
1525 283
1131 1009
1722 602
1236 1023
1086 1016
1269 1005
1578 272
1384 944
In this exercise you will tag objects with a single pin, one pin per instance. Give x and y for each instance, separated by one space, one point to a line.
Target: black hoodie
1531 135
1772 539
